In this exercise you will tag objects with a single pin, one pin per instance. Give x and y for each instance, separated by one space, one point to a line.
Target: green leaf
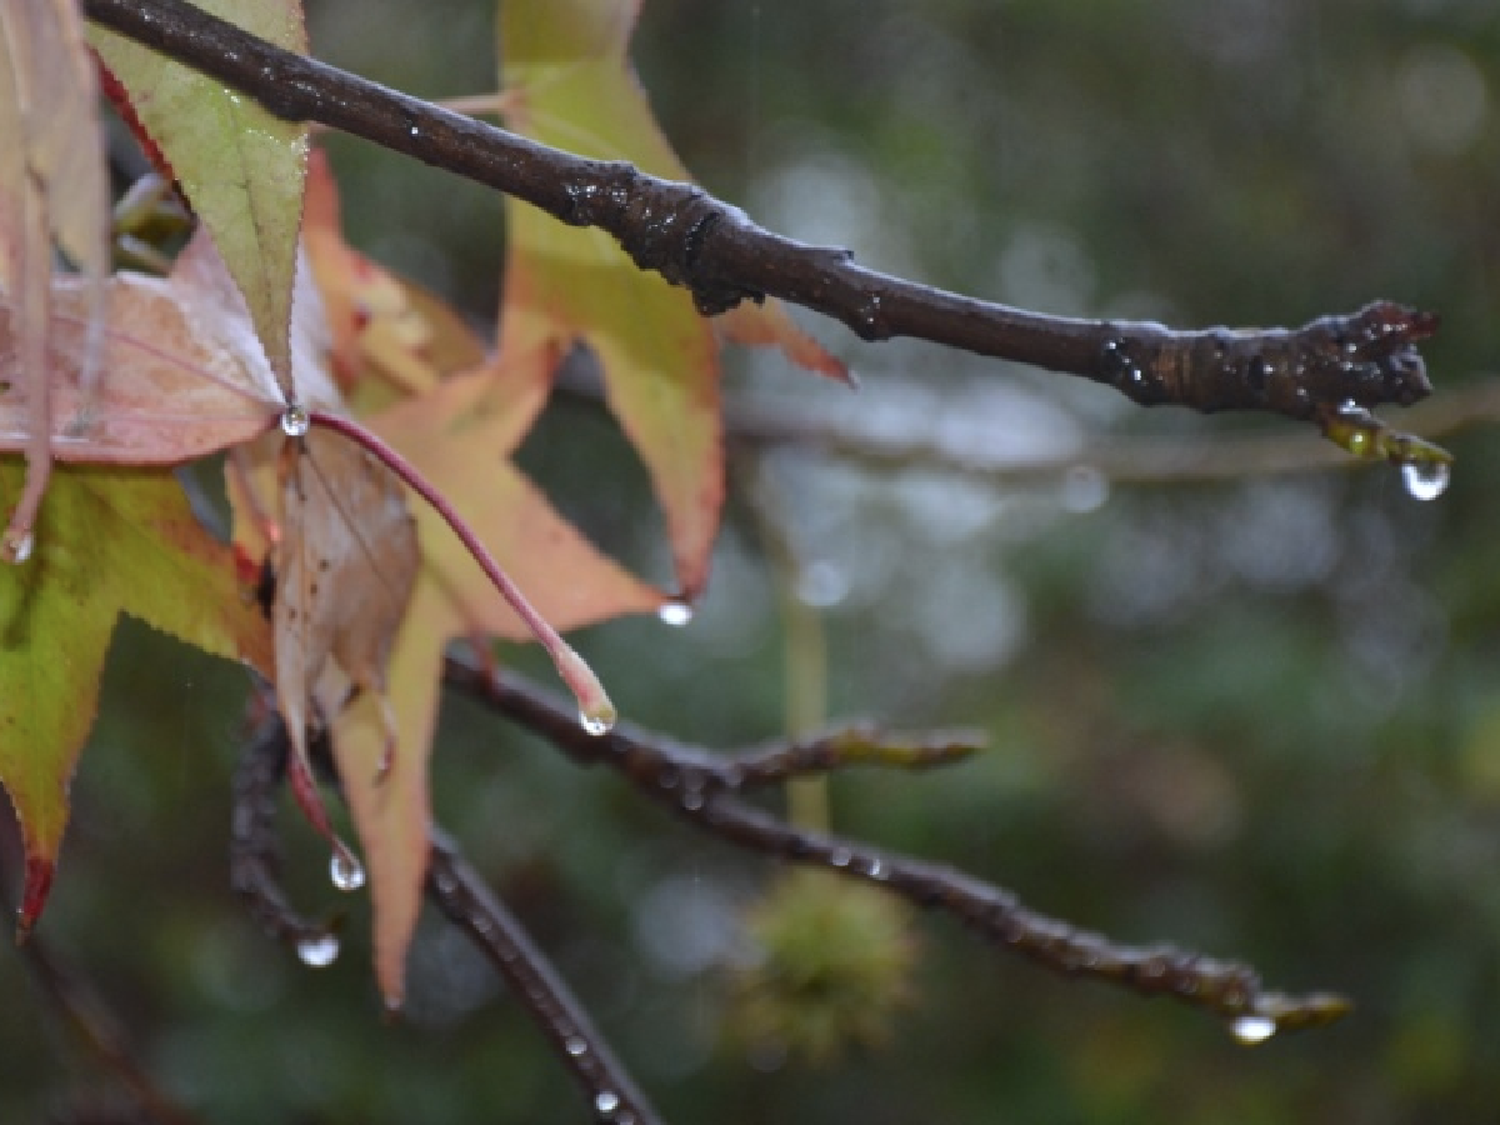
109 540
242 169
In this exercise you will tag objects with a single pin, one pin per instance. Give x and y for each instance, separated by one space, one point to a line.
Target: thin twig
458 891
84 1011
462 895
254 856
1118 460
704 789
694 240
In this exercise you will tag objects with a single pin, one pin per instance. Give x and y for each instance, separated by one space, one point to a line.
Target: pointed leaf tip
39 873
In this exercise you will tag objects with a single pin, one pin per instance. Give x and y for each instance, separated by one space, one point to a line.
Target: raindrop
841 857
675 613
1426 480
607 1102
318 951
822 584
1084 489
876 869
23 548
295 420
1252 1029
576 1046
597 722
345 870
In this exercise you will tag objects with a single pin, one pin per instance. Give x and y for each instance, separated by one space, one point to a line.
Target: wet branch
694 240
464 898
705 788
456 889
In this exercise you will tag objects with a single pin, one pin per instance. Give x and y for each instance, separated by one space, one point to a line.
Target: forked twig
705 789
460 893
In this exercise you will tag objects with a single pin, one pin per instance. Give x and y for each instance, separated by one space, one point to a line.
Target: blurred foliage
1260 718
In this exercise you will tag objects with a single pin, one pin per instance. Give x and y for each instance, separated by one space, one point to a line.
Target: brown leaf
345 565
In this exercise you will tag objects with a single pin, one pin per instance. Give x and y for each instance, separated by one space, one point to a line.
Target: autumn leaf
390 337
185 374
459 439
109 540
52 185
565 65
241 168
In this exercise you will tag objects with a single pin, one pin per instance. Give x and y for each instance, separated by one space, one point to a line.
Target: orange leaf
565 65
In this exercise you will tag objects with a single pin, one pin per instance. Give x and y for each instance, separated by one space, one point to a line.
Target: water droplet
21 548
675 613
345 870
607 1102
597 722
1426 480
1252 1029
822 584
875 870
1084 489
295 420
841 857
576 1046
319 951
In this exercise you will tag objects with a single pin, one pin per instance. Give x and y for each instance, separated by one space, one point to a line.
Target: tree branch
459 892
704 789
694 240
463 897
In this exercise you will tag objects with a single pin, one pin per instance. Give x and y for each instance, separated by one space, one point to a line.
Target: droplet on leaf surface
318 951
1426 480
1252 1029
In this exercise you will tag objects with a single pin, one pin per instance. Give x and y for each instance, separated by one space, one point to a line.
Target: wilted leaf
109 540
241 168
565 64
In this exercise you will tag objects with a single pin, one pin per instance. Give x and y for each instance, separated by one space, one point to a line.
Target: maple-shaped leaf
53 184
186 376
459 438
570 84
241 168
110 540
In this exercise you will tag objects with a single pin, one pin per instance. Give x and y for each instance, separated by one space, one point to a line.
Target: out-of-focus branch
692 239
704 788
85 1013
458 891
468 903
1120 461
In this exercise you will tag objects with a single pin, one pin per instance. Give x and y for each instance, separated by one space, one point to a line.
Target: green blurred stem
804 654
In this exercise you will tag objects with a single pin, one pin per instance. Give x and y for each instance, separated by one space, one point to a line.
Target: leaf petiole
597 713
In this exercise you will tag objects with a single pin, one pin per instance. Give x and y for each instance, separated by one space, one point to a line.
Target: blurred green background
1258 718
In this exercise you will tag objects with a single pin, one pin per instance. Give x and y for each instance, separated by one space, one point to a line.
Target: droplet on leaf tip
296 420
1426 480
346 871
675 613
1252 1029
318 951
18 548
